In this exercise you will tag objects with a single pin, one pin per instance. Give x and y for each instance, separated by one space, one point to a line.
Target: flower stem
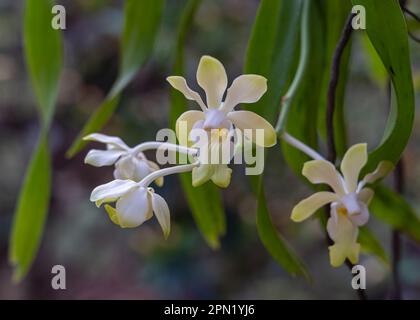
301 146
303 60
146 181
163 145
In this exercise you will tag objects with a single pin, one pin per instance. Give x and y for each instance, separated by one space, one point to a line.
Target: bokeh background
104 261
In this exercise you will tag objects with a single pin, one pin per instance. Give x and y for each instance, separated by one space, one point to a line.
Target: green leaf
302 118
274 242
31 211
271 50
142 20
387 31
205 201
393 209
270 53
206 207
370 244
43 53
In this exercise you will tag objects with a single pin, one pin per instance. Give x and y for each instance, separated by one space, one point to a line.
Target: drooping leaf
302 118
270 53
31 211
141 24
271 50
274 242
393 209
205 201
43 54
387 31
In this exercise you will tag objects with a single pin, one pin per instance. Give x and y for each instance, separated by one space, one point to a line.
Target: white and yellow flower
129 162
134 204
349 199
220 115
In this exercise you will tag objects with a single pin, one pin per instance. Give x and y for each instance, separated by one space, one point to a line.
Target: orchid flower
135 202
129 162
349 199
217 114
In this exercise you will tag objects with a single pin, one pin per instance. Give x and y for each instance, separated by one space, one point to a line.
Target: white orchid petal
180 84
351 203
353 161
362 217
115 142
322 171
211 76
247 88
161 210
124 168
310 205
99 158
202 174
249 120
214 119
383 168
222 175
111 191
185 123
344 234
134 208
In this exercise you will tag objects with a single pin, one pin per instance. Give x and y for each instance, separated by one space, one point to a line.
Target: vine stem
331 97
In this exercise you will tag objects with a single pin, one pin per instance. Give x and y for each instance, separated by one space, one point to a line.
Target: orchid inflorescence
136 201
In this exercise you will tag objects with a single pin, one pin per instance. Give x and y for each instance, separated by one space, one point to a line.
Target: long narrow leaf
43 53
387 30
142 20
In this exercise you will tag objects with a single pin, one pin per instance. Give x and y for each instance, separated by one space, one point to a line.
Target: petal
344 234
161 210
365 195
124 168
351 165
362 217
113 141
180 84
322 171
141 169
185 123
154 167
250 120
111 191
222 175
214 119
134 208
99 158
310 205
247 88
112 213
383 168
351 203
211 76
202 174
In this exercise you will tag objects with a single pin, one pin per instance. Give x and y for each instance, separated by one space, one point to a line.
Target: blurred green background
104 261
